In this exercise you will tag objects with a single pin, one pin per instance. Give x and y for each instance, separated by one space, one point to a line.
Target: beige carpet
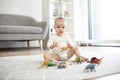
27 67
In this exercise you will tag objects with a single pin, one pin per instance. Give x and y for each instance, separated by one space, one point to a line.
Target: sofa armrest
44 27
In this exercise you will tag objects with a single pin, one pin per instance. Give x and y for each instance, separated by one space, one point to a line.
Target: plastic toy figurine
93 62
90 67
79 60
51 64
45 64
62 65
65 48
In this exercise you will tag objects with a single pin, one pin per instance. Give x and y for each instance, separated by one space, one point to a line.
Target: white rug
27 68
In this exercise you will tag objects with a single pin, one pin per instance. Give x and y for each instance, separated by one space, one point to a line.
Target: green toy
51 63
79 60
45 64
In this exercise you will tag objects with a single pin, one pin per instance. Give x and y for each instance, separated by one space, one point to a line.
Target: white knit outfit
62 42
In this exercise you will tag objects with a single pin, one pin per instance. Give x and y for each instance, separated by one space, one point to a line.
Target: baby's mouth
60 31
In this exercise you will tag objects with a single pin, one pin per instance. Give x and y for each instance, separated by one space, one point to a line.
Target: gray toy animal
62 65
90 67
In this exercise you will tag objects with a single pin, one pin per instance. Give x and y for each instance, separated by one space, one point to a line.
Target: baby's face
60 28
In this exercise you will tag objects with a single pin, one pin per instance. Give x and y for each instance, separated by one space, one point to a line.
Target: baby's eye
58 26
63 27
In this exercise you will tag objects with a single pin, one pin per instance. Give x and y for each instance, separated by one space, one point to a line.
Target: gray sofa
22 28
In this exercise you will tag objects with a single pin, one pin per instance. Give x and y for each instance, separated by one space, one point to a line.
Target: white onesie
62 42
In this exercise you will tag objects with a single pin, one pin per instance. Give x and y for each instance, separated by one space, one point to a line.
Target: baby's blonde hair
59 20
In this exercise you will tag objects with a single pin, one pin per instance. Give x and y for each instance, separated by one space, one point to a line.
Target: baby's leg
75 50
51 57
71 53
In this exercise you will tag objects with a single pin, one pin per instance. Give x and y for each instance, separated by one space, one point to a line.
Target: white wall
84 20
25 7
31 8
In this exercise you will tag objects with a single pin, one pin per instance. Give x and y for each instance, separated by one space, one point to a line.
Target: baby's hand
70 46
55 44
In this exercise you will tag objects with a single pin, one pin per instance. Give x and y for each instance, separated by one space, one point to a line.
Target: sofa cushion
12 29
14 19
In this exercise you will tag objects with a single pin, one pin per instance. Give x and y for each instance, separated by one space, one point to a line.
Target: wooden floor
20 51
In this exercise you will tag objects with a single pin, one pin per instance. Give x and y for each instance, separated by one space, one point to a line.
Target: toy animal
45 64
65 48
93 62
79 60
62 65
90 67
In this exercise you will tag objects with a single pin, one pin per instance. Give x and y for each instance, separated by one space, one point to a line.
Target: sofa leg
28 44
41 45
